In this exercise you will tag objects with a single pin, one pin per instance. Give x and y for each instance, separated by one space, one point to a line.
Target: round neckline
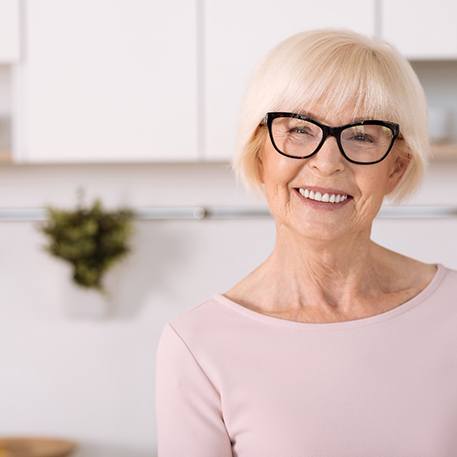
400 309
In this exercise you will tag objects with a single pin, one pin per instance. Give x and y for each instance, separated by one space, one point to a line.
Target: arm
188 415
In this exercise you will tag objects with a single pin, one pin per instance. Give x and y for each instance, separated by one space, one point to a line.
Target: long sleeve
188 415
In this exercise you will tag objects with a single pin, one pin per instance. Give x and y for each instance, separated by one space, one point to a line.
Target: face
368 184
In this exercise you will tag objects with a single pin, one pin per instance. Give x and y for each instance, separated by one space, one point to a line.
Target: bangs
351 80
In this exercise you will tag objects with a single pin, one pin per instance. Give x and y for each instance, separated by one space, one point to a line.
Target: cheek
279 171
370 198
371 189
371 182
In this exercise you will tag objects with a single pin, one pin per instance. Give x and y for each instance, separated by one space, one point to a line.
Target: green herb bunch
91 239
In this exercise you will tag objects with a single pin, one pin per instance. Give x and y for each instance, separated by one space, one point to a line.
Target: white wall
94 381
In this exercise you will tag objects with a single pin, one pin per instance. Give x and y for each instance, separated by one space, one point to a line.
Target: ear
398 168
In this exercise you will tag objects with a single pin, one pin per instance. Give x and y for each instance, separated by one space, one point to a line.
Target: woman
334 346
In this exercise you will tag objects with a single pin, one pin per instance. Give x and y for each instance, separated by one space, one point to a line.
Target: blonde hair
334 67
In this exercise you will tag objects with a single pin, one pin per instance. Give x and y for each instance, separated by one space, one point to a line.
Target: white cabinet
137 80
108 81
238 33
9 31
421 29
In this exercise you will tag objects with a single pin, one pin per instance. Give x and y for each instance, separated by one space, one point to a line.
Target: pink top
232 382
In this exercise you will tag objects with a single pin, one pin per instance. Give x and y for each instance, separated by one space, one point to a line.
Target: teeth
331 198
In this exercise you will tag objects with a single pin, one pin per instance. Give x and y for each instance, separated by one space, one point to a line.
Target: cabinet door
421 30
9 31
108 81
238 33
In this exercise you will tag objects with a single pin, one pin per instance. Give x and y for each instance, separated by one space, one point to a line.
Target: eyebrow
307 113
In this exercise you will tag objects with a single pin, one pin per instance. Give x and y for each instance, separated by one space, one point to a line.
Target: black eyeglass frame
328 130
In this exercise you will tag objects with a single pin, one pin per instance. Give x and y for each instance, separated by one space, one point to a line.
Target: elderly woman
334 346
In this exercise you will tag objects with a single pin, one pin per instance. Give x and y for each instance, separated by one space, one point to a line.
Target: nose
328 158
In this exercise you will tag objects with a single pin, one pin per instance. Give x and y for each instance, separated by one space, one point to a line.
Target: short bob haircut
334 68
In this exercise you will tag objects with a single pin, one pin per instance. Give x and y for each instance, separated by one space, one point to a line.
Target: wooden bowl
35 447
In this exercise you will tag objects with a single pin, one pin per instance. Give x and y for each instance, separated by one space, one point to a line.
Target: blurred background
135 102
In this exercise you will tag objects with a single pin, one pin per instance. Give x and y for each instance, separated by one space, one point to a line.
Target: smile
337 203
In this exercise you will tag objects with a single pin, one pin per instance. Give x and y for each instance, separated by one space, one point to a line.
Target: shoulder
452 271
196 316
199 324
416 276
443 288
448 276
205 335
443 279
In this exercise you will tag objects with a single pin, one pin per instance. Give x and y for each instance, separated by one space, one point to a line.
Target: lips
322 204
324 190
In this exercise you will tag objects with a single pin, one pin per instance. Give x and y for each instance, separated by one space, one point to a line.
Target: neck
336 275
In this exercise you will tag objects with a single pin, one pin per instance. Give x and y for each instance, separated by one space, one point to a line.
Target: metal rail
233 212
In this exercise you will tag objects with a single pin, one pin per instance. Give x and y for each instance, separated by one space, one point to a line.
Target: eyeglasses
298 136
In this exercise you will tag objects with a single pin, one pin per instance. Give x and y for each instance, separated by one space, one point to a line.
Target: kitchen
137 105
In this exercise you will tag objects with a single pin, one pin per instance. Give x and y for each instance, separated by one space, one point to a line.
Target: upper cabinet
9 31
421 30
107 80
138 80
238 34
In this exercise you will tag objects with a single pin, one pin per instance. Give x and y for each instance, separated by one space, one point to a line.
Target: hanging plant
91 239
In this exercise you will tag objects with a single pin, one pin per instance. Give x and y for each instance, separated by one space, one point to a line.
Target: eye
300 130
362 137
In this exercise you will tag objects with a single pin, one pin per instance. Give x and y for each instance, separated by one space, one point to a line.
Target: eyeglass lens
362 143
